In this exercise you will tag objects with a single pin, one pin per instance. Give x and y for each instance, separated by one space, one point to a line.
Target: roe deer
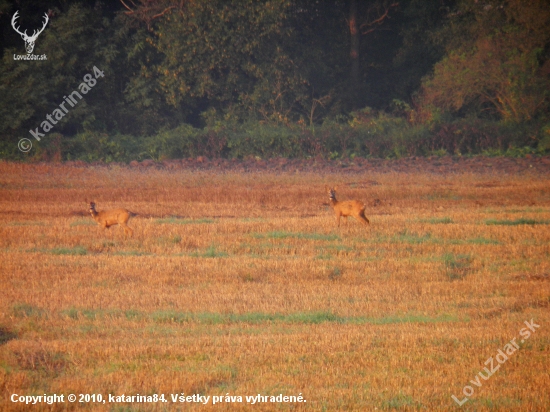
113 217
347 208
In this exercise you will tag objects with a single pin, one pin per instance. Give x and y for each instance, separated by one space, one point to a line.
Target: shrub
364 133
473 136
183 141
264 140
90 147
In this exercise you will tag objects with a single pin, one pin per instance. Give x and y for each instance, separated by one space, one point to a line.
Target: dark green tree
76 40
220 56
497 61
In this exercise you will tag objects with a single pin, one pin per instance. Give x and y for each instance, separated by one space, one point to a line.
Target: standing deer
347 208
108 218
29 40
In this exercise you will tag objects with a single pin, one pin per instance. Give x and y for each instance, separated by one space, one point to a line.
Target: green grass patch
437 195
77 250
527 210
516 222
437 220
400 401
457 266
217 318
101 314
170 316
299 317
211 252
91 314
335 273
474 241
6 335
413 238
170 240
324 256
132 314
173 220
285 235
482 241
83 222
253 317
71 313
130 253
24 310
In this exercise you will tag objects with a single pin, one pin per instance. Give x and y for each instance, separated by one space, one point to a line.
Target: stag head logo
29 40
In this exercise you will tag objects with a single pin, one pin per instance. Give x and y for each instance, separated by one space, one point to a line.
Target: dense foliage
292 78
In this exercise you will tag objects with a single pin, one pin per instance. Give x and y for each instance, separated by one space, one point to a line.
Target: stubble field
239 284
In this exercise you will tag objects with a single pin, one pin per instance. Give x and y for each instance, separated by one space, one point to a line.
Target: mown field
241 284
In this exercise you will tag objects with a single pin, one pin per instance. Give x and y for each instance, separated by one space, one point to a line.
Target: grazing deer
108 218
347 208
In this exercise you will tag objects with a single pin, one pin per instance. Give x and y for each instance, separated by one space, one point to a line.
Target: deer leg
127 229
364 219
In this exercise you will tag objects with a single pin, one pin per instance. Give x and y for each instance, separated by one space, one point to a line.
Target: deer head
29 40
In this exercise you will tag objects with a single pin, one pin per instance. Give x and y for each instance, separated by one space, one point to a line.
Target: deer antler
35 34
15 16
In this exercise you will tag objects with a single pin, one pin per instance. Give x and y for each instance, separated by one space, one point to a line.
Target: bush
364 133
263 140
382 135
474 136
183 141
544 139
91 147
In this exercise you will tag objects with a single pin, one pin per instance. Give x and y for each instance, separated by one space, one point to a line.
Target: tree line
267 78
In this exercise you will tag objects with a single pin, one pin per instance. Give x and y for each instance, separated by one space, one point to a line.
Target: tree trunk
355 80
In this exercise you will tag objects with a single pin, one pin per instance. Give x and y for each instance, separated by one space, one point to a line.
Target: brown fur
347 208
108 218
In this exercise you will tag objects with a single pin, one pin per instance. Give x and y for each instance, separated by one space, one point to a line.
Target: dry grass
242 284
